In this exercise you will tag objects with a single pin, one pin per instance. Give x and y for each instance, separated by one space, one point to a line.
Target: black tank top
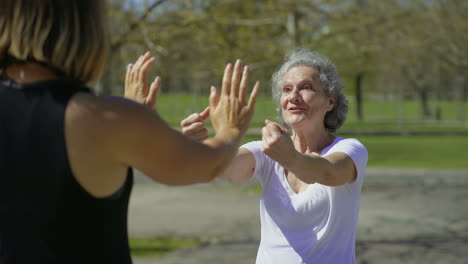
45 215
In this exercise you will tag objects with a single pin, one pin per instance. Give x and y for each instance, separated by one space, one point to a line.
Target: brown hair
67 35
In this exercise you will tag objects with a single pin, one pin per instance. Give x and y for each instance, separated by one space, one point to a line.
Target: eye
308 87
287 89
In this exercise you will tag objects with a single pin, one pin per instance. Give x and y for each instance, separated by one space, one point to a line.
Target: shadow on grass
159 246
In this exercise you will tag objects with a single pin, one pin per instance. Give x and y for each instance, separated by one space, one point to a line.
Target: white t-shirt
314 226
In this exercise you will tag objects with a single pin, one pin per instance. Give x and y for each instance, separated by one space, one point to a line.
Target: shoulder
89 105
349 145
253 146
105 113
353 148
106 123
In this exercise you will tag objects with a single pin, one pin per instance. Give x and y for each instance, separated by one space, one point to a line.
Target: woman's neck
28 72
311 140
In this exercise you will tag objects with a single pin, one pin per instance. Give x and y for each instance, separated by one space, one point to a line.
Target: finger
214 98
140 61
193 128
243 84
236 75
265 139
268 122
200 135
280 127
143 73
275 130
189 120
137 63
253 96
128 75
265 133
153 92
226 85
268 137
205 113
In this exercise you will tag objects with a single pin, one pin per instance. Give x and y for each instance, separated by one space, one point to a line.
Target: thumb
205 113
278 126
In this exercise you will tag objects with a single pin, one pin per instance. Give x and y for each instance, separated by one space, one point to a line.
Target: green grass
378 115
413 151
417 151
158 246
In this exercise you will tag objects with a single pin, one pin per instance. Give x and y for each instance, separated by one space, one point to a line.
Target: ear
331 103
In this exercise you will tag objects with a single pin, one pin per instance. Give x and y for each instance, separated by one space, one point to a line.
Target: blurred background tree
386 51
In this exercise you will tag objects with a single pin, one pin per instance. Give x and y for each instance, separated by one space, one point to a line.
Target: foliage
405 49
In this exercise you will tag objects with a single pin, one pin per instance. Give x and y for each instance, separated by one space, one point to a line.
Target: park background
404 65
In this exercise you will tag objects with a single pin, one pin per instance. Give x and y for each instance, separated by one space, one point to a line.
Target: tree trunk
292 26
358 95
461 83
425 109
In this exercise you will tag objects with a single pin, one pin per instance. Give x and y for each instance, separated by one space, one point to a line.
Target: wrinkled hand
277 143
194 125
229 112
136 86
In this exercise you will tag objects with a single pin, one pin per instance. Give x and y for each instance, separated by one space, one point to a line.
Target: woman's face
303 99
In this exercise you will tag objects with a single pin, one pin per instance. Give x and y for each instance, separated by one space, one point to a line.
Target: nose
295 96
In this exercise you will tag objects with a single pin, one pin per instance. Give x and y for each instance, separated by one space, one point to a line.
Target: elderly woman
311 179
66 154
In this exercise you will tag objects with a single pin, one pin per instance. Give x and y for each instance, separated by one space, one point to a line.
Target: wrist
292 160
230 135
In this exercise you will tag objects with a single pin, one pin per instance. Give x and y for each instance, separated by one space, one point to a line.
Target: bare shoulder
94 131
108 118
241 168
89 108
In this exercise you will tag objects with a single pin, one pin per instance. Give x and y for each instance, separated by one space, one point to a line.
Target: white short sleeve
261 160
356 151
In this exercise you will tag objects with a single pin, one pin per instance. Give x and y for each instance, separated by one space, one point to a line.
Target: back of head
67 35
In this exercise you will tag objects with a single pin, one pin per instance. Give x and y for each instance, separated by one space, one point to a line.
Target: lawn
379 115
141 247
413 151
422 151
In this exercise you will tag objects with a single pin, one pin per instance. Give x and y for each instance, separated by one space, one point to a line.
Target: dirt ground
406 216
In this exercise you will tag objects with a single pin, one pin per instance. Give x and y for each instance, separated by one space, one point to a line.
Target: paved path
406 216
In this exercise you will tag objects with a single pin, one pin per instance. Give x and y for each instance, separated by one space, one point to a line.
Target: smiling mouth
295 109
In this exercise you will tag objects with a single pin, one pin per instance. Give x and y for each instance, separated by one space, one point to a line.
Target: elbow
210 176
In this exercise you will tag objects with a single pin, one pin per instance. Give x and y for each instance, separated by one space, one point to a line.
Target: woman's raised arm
147 143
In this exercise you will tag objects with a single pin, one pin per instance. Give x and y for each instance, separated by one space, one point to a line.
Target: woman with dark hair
311 179
66 154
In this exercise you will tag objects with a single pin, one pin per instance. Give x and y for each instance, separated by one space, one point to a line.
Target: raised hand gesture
230 113
136 85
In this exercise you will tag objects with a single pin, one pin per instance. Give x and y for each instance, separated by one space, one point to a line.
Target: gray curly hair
329 79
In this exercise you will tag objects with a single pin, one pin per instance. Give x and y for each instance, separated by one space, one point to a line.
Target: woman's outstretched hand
136 85
230 113
194 125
